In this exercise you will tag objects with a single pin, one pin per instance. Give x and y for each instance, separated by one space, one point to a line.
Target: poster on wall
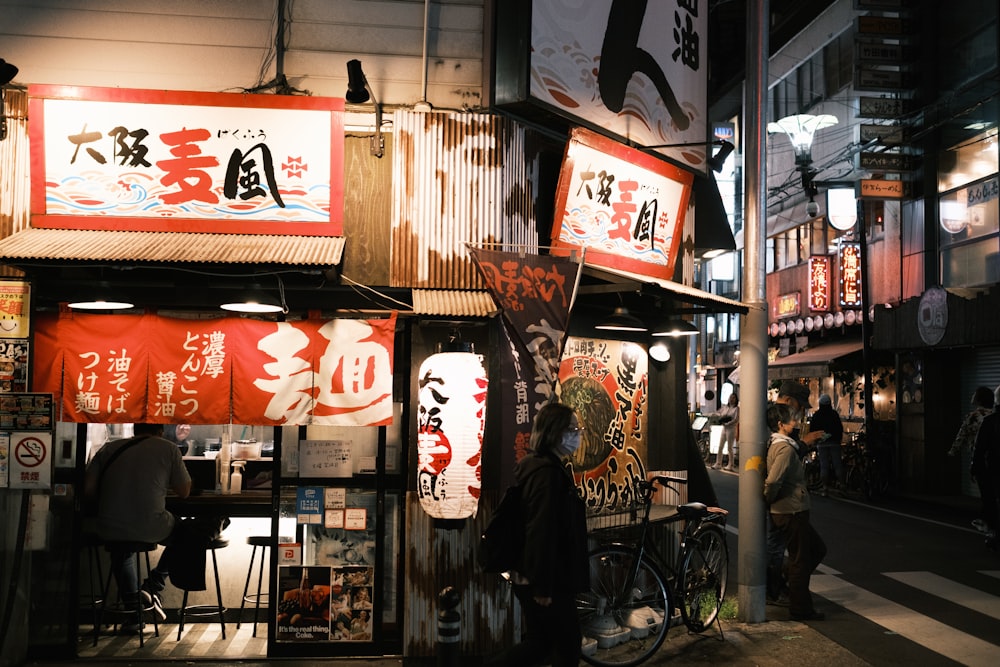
14 364
605 382
304 607
15 305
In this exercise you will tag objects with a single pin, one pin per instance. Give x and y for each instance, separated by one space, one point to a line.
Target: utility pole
752 557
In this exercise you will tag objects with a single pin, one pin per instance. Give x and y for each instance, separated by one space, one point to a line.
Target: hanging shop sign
534 294
624 206
883 107
606 383
451 418
154 160
932 315
850 275
788 305
882 188
131 368
819 283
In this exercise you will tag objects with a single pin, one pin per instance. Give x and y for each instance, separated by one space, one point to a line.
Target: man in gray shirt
130 479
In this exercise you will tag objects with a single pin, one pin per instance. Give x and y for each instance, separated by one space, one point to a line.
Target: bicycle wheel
627 620
704 572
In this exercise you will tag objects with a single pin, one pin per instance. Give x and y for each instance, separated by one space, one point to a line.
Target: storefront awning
813 362
71 245
711 223
698 300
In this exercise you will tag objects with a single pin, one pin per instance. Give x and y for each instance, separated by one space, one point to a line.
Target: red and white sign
819 282
850 275
155 160
624 206
30 460
130 368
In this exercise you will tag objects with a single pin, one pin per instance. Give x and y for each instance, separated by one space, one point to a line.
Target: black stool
132 549
207 609
262 542
91 544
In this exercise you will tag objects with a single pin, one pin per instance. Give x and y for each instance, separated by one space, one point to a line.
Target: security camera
812 209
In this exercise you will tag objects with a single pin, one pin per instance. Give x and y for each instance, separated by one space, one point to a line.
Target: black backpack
502 542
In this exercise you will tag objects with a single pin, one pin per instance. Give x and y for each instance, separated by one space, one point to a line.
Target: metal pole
449 628
752 557
866 324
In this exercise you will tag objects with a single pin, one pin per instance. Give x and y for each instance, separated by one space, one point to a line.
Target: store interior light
255 307
675 328
255 300
622 320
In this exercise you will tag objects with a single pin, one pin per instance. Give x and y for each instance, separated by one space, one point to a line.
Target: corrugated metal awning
705 301
453 303
813 362
71 245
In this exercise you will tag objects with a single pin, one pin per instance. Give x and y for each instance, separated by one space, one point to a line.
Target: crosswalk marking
952 591
933 635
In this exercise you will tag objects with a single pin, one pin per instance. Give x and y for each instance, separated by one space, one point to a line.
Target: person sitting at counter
128 480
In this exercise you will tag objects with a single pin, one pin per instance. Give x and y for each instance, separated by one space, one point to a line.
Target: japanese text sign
624 206
186 161
15 300
130 368
637 69
819 282
850 274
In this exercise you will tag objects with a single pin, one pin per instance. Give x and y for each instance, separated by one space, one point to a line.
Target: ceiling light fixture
675 328
659 351
100 304
622 320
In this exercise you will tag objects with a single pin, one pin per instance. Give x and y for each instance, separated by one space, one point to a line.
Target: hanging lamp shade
450 422
622 320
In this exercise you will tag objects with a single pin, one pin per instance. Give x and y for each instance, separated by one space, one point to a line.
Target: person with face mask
554 564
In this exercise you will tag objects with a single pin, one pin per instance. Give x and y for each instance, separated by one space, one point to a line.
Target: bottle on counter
236 479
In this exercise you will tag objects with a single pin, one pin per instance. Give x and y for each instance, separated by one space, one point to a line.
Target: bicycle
869 466
634 591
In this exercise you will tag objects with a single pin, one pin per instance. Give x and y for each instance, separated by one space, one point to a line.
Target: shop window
791 247
969 161
968 235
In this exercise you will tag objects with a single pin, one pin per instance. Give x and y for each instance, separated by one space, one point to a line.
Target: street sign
869 78
883 107
882 53
887 135
883 26
881 188
886 162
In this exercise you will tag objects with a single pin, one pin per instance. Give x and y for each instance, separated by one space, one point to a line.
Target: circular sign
799 325
838 319
828 320
30 452
808 324
818 322
850 317
774 329
932 315
782 328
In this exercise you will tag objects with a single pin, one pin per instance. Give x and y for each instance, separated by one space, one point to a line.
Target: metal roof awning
453 303
702 302
69 245
813 362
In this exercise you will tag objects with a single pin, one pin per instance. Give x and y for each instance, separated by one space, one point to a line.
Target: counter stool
207 609
133 549
262 542
91 544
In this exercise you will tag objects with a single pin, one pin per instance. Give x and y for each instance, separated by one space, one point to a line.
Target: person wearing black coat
985 471
554 565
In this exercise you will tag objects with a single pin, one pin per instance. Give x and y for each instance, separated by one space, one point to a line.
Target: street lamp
800 129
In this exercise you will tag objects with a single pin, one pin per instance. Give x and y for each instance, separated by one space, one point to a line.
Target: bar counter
250 503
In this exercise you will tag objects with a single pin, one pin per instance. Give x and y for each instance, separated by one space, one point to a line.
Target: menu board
26 412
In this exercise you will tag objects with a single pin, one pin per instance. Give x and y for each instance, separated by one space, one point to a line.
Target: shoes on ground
130 629
152 601
808 616
716 466
980 525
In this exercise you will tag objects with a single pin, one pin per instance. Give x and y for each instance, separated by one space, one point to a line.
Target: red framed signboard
625 206
179 161
819 282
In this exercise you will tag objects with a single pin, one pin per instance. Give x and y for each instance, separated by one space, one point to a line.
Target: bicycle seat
693 510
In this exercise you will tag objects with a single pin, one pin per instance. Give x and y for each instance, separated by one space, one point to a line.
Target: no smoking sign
31 460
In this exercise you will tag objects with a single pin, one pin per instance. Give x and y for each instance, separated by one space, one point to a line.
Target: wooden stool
262 542
132 550
207 609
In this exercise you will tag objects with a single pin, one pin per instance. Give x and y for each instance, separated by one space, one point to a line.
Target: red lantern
450 421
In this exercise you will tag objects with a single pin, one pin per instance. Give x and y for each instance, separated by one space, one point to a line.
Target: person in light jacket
554 565
788 502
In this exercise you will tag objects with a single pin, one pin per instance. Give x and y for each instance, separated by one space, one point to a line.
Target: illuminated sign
819 282
850 275
789 305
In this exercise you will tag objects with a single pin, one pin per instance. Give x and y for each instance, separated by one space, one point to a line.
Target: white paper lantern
450 422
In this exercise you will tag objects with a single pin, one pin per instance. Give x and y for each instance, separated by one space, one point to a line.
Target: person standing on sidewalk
985 472
729 418
831 464
788 502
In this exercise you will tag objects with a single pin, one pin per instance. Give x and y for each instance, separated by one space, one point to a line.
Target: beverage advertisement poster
304 604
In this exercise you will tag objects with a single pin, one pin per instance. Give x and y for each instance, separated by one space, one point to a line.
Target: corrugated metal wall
457 179
14 169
